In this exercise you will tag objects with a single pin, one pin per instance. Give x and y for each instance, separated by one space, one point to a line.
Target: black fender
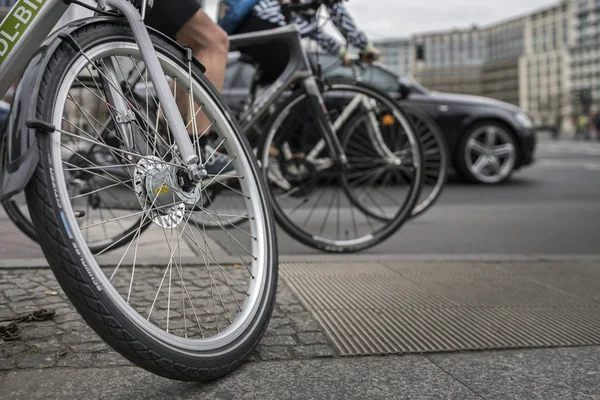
19 154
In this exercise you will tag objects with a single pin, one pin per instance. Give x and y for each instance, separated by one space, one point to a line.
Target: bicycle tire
435 155
79 274
367 240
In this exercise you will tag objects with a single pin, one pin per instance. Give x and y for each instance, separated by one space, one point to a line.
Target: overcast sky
392 18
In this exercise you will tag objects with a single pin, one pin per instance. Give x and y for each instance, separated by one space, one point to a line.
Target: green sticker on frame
16 23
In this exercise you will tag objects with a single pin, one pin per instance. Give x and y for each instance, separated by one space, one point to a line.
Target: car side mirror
405 88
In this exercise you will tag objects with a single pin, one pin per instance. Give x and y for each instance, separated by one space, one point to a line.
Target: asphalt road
552 207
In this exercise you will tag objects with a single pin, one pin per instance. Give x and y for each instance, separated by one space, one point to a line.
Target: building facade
500 75
547 62
585 57
544 68
477 61
398 54
451 61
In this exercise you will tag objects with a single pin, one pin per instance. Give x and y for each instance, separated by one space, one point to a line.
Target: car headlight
524 120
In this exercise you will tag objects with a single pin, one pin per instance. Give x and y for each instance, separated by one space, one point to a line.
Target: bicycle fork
163 92
330 138
374 132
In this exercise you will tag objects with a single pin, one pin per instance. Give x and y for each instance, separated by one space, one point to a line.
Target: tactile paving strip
404 307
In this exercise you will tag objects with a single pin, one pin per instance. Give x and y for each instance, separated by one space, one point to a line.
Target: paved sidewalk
548 374
64 359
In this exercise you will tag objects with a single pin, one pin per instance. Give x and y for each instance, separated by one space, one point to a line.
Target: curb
40 263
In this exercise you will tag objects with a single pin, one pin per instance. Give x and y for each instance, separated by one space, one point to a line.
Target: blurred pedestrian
596 120
582 127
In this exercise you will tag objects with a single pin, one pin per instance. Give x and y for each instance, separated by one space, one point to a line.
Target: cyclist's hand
370 55
346 60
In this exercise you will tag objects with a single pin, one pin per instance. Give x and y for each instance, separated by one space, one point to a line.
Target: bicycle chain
10 329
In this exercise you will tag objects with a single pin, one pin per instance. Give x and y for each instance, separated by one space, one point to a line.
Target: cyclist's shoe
217 165
276 176
322 164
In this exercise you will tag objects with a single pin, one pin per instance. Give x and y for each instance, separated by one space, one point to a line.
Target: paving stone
304 322
48 346
66 317
66 341
111 359
254 356
278 322
284 340
312 338
78 337
36 361
74 326
291 308
26 284
76 360
284 330
6 364
17 299
274 352
13 292
31 332
11 348
285 296
89 348
313 351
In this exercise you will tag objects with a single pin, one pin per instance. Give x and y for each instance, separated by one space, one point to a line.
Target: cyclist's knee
202 34
219 40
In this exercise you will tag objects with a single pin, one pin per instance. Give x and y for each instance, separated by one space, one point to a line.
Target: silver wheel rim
257 259
490 154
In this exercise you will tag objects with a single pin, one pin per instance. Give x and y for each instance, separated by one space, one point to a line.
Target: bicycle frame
297 70
20 41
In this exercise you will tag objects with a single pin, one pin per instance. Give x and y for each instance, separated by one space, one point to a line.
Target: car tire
487 153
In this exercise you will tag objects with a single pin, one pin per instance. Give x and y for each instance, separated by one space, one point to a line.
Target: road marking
568 164
592 167
589 149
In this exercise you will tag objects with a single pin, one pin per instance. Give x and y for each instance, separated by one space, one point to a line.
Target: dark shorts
272 57
168 16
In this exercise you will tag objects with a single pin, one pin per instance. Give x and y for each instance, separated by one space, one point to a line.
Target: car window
381 79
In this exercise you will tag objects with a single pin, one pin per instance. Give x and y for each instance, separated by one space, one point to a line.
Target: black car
488 139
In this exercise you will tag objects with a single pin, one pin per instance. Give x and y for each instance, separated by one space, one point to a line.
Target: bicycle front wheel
339 208
166 300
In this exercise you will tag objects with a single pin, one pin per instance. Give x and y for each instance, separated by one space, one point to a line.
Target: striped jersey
269 10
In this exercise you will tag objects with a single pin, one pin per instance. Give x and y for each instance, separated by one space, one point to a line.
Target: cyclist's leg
272 57
184 21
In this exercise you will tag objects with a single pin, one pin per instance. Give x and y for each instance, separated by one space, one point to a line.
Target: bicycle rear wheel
435 153
168 302
435 158
322 204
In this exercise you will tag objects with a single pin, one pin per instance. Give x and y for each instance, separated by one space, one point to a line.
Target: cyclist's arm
310 29
345 23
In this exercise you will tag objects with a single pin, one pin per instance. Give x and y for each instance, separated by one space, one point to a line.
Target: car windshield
416 87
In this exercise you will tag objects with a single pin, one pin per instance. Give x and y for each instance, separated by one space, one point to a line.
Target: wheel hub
159 191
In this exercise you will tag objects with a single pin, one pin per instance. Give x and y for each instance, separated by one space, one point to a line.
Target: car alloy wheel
490 154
